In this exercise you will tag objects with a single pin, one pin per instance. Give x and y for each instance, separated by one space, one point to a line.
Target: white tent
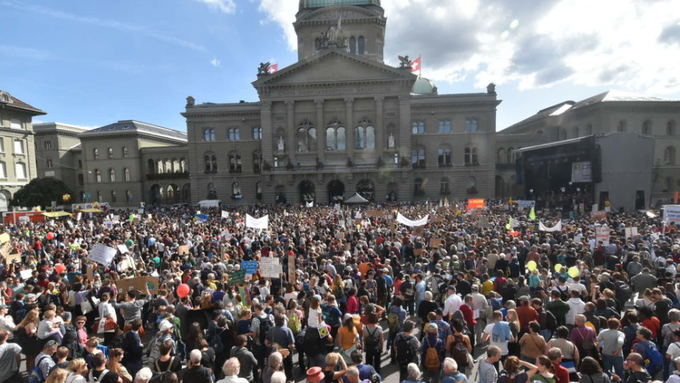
356 199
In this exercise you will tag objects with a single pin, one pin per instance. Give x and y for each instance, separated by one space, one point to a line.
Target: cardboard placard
138 283
239 276
435 242
292 275
376 213
418 251
631 232
90 272
4 237
13 257
348 246
183 250
123 249
6 249
102 254
437 220
418 231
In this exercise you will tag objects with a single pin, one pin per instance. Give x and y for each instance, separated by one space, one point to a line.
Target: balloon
573 272
183 290
60 268
531 265
236 214
50 235
558 267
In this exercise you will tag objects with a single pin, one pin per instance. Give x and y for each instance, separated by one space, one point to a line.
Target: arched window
669 156
418 158
209 134
500 156
81 179
112 175
235 189
257 161
471 155
444 126
126 173
444 156
210 163
182 165
621 127
150 166
360 47
306 137
20 169
364 135
113 196
471 125
647 127
575 132
352 45
96 153
49 162
110 152
589 129
471 183
159 166
670 128
331 139
418 127
125 151
444 186
257 133
510 156
97 175
234 134
235 163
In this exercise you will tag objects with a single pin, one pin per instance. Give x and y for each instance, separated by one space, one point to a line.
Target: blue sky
91 63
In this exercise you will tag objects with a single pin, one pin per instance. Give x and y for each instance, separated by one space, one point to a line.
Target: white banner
102 254
257 223
557 227
671 213
403 220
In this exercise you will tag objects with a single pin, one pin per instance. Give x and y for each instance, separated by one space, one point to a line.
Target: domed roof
424 86
327 3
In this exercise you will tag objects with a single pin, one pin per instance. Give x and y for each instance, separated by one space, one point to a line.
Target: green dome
424 86
327 3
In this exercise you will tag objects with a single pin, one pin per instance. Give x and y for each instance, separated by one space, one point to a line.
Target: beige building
339 122
608 112
17 148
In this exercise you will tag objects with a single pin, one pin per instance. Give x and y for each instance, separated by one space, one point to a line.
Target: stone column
379 128
404 127
267 134
349 127
291 145
320 132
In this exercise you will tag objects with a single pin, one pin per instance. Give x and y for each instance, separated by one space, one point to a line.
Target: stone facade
17 146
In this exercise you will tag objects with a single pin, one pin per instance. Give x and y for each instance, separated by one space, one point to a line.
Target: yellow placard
4 237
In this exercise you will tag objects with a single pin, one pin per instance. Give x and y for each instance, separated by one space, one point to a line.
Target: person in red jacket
561 373
525 313
469 316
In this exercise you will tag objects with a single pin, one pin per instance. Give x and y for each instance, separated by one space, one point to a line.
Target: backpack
372 341
432 361
653 361
265 325
459 351
216 342
158 375
91 379
393 322
36 374
623 293
294 323
550 321
405 353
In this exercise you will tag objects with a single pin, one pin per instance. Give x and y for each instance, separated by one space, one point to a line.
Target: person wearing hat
431 366
6 321
316 375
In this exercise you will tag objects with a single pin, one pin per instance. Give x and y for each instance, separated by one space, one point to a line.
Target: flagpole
420 67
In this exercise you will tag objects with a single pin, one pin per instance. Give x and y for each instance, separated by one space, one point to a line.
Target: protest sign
182 250
90 272
123 249
249 266
598 215
292 276
408 222
270 267
102 254
602 234
25 274
671 214
418 251
418 231
239 276
138 283
348 246
475 203
435 242
257 223
631 232
4 237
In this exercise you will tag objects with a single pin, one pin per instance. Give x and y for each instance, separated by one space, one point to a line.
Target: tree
40 192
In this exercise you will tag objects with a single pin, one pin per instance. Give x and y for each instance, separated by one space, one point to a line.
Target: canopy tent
92 211
356 199
55 214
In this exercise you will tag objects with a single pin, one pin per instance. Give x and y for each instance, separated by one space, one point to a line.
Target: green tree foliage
41 192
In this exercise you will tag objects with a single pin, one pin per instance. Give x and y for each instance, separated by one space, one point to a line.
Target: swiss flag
273 68
415 65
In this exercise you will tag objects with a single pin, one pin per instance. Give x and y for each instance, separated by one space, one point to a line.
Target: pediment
334 66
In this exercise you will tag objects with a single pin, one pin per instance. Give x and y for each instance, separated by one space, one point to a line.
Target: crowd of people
480 296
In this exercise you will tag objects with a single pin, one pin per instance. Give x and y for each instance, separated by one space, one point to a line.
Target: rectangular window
2 145
3 170
18 147
48 145
20 169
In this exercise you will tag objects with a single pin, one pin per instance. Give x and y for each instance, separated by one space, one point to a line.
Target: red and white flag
415 65
273 68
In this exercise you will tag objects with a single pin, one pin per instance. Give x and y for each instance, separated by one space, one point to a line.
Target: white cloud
24 52
225 6
632 44
215 62
113 24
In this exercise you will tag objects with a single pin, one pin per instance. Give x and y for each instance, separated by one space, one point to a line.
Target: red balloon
60 268
50 235
183 290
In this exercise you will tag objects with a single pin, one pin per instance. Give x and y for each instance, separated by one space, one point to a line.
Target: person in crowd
10 359
634 364
99 372
77 371
412 376
195 372
231 370
591 371
487 365
532 345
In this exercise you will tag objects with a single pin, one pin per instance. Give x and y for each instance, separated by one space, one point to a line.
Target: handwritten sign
4 237
183 250
602 233
435 242
123 249
102 254
26 274
139 283
598 215
292 276
249 266
270 267
418 231
239 276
